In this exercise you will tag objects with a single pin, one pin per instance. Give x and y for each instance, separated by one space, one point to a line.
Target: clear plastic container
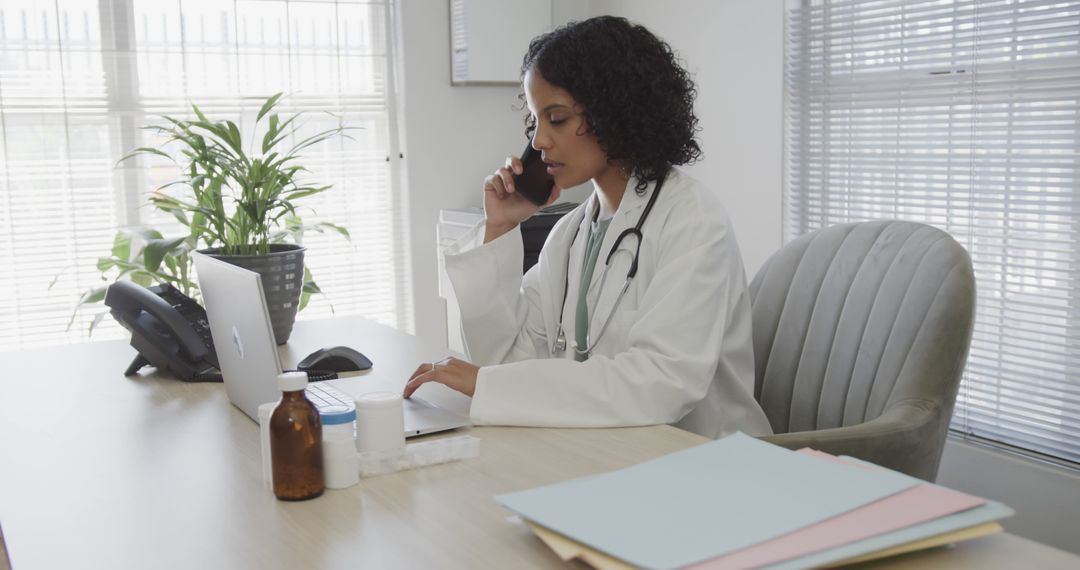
419 454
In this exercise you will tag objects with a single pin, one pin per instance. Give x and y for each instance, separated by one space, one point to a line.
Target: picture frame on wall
489 37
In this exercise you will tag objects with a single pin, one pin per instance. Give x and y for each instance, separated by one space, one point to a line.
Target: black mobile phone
534 182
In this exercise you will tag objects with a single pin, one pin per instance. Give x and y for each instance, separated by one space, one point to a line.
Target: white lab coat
678 349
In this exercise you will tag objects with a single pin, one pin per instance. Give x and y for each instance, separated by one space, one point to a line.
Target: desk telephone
168 328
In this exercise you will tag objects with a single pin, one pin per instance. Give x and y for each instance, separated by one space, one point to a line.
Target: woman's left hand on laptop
452 372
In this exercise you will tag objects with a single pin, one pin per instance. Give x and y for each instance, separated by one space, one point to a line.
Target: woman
574 343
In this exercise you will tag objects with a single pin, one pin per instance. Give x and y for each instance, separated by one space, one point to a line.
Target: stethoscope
559 347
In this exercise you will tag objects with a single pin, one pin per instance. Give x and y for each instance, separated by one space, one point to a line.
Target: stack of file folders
739 502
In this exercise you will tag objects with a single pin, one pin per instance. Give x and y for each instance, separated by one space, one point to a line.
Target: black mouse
337 359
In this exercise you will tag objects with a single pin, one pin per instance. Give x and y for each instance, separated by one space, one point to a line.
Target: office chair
861 332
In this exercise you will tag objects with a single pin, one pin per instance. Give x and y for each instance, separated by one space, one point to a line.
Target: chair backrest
855 318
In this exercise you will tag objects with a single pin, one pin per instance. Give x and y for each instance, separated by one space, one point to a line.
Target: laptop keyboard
326 397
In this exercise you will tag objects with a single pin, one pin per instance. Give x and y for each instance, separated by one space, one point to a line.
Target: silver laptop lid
243 336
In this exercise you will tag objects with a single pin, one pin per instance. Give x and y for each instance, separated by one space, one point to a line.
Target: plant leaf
146 233
141 278
307 191
171 184
105 263
56 278
93 295
310 288
269 104
234 139
181 217
198 114
171 264
96 321
313 139
339 229
156 250
269 136
121 248
144 150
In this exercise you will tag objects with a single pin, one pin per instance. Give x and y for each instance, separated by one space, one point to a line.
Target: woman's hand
504 208
455 373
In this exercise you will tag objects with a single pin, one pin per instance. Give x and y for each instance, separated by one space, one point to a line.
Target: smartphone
534 182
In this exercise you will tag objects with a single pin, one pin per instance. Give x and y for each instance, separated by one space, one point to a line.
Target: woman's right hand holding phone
504 209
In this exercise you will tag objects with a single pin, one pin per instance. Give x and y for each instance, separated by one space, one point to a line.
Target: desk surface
152 472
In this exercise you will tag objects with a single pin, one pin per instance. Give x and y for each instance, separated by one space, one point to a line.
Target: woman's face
573 155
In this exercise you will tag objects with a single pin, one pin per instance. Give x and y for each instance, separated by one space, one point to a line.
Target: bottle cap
378 400
334 415
292 381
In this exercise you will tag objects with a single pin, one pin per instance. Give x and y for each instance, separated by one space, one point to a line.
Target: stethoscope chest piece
560 342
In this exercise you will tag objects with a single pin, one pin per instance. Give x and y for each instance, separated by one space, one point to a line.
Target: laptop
248 356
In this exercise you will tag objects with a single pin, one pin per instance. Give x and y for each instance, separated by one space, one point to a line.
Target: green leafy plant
261 187
229 197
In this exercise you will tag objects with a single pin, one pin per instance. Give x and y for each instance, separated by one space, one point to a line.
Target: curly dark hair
637 98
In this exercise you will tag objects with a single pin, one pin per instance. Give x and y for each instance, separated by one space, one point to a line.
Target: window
79 77
965 115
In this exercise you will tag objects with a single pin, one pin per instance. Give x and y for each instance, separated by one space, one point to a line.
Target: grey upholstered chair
861 332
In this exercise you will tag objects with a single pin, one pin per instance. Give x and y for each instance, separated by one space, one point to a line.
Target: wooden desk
104 471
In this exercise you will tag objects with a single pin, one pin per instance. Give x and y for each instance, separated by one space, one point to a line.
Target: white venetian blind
966 115
79 77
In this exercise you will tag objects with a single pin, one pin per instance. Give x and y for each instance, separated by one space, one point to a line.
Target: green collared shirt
592 252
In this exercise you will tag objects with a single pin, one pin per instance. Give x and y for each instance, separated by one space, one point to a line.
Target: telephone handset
169 330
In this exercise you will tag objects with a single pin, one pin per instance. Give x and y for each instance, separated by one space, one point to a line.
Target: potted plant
238 204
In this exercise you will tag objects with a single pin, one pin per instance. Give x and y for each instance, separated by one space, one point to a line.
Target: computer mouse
337 359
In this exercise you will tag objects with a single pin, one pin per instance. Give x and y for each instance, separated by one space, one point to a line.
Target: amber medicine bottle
296 455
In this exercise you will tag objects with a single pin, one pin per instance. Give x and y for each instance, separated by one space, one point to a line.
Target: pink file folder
918 504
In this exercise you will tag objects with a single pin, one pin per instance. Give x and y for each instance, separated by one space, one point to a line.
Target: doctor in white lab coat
608 103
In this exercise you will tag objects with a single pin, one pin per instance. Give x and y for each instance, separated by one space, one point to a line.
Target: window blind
963 114
78 78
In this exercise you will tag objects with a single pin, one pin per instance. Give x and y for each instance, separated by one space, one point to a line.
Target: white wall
1046 497
734 49
452 138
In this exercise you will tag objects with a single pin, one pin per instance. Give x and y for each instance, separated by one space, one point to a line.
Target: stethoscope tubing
589 344
560 343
